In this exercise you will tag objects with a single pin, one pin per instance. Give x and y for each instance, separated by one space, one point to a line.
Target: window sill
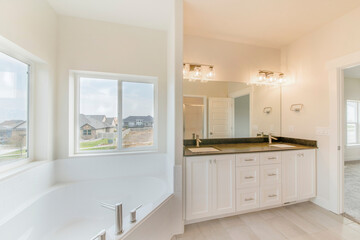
15 169
353 146
115 153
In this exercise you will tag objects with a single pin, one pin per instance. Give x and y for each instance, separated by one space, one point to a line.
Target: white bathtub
73 212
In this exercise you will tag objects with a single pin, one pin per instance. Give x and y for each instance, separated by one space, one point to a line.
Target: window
352 122
115 113
86 132
14 109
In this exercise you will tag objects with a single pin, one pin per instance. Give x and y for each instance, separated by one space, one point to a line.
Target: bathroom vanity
234 176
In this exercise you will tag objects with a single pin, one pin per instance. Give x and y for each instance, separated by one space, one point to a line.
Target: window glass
351 111
13 109
98 112
138 114
99 103
351 133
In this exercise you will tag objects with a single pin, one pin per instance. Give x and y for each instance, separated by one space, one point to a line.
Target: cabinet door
223 181
306 174
247 199
270 195
247 177
198 187
289 176
270 174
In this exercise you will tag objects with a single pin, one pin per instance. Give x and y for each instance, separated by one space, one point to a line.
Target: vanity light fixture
270 78
198 72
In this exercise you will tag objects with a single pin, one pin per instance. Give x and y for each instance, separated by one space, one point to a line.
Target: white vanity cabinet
219 185
210 186
299 175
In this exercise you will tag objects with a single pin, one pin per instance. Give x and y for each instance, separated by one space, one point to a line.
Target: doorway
351 142
242 116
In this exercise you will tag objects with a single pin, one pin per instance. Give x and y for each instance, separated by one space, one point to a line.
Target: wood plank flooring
304 221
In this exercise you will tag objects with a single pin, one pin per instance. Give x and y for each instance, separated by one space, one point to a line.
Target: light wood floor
304 221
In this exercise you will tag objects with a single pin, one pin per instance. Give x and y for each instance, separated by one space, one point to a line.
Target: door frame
243 92
335 70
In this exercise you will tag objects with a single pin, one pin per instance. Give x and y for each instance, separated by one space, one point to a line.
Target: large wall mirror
218 109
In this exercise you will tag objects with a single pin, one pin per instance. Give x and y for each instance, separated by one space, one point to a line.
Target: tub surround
247 145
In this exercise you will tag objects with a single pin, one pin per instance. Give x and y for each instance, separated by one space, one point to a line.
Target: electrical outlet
322 131
291 128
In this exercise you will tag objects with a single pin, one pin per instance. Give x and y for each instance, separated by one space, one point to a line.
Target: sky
99 97
13 89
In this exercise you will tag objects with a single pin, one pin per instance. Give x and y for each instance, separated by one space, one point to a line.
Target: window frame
30 111
357 122
119 78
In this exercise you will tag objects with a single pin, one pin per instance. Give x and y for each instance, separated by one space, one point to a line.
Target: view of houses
13 139
98 132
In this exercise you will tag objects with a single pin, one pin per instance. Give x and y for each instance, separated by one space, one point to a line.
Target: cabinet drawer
247 159
270 158
270 195
247 198
270 174
247 176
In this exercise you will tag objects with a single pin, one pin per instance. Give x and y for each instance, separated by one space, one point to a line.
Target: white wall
351 92
28 30
209 89
106 47
305 61
233 62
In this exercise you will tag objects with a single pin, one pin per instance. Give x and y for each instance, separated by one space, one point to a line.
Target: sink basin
282 145
203 149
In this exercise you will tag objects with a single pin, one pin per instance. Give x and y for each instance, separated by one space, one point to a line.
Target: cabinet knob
249 199
249 177
272 174
272 195
272 158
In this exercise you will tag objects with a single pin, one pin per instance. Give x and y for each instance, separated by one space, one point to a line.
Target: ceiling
269 23
353 72
143 13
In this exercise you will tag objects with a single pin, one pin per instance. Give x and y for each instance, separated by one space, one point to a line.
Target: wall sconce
270 78
198 72
296 107
267 110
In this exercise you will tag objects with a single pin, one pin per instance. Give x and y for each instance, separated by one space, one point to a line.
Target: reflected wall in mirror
218 109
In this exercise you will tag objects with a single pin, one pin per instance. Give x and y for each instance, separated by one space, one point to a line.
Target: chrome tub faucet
117 208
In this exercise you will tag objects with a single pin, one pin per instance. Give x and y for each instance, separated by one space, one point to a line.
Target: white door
307 174
223 181
198 187
289 176
221 117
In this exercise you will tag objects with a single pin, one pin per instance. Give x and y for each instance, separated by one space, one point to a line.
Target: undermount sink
282 145
203 149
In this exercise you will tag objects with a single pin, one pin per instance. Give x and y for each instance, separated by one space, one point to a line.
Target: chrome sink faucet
118 216
271 138
198 141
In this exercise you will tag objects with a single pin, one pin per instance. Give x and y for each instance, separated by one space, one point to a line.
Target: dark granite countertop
253 147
